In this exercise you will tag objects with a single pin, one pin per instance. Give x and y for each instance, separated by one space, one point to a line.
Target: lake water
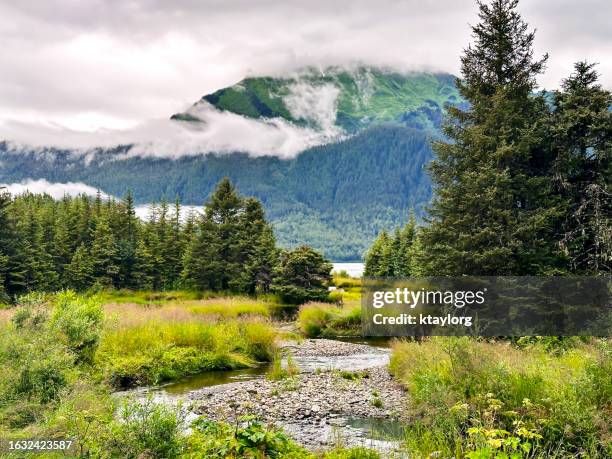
353 269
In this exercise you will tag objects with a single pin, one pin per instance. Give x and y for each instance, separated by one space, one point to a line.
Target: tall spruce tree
217 241
492 208
582 133
6 244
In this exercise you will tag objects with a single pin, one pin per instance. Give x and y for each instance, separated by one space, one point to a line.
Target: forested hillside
334 197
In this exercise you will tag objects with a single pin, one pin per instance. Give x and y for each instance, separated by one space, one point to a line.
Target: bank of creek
343 394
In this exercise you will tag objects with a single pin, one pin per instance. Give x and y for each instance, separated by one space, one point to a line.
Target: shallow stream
381 434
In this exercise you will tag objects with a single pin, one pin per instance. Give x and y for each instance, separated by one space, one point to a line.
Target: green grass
144 297
140 352
470 398
323 319
279 372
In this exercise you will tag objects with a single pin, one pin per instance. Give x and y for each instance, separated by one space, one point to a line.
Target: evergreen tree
127 240
404 257
257 249
492 211
79 272
104 254
217 241
374 256
6 244
302 275
582 132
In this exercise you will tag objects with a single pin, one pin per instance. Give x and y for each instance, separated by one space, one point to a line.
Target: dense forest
522 180
81 243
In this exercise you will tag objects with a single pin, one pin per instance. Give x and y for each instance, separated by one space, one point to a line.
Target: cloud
59 190
55 190
101 68
220 132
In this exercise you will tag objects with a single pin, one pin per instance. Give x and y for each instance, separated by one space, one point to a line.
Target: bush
79 321
146 429
250 439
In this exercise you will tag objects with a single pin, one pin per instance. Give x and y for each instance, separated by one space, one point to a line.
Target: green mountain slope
364 97
335 197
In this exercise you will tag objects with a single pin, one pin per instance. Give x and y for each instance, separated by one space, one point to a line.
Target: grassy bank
143 345
59 356
328 320
342 318
496 399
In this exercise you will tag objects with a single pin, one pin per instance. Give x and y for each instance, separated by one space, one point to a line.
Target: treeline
80 243
522 180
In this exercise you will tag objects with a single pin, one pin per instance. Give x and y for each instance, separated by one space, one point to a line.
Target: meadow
531 397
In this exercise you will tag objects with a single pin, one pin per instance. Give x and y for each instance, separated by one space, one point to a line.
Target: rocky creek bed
336 384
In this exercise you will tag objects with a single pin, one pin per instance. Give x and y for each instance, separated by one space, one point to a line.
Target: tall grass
323 319
470 398
147 345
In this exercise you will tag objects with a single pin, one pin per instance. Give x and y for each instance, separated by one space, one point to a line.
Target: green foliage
237 242
322 319
146 429
36 368
479 397
581 126
279 372
302 275
493 212
393 256
83 244
79 321
251 439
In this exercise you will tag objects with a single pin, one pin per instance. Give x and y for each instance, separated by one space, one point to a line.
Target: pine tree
582 133
492 211
128 226
257 253
217 241
104 254
79 272
375 263
302 275
407 239
6 244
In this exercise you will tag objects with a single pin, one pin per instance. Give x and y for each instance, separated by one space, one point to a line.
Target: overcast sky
111 64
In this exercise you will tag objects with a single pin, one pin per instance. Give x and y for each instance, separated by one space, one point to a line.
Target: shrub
146 429
250 439
79 320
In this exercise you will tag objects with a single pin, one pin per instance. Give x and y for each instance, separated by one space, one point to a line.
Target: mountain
335 197
363 97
